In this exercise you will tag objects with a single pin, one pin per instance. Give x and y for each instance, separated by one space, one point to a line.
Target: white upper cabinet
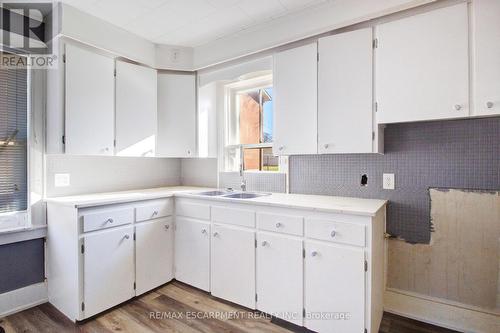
422 66
176 115
295 101
486 37
345 93
89 102
136 124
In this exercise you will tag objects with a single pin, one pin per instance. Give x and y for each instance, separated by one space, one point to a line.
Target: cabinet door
486 32
154 254
89 102
176 115
295 101
135 110
192 252
334 286
345 98
233 265
423 66
279 276
108 269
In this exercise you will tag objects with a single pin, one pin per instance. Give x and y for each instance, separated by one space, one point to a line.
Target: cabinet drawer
339 232
153 209
236 216
287 224
106 218
193 210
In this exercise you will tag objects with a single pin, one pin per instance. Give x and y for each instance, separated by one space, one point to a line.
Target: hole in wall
364 180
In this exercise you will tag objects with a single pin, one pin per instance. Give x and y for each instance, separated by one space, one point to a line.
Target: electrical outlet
388 181
61 179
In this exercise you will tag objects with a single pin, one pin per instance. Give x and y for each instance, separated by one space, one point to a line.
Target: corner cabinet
136 125
422 66
89 102
486 56
346 115
295 76
101 256
177 123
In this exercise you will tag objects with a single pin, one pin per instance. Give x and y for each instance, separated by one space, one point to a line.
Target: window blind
13 140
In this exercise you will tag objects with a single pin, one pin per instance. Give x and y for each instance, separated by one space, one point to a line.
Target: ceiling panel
189 22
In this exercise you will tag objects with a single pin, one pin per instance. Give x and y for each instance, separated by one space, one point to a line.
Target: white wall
199 172
91 174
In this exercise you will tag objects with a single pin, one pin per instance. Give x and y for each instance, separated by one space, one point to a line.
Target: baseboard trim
440 313
23 298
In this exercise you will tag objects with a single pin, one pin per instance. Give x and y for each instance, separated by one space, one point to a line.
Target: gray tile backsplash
256 181
461 154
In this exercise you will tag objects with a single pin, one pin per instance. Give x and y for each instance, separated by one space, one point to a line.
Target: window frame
21 220
231 121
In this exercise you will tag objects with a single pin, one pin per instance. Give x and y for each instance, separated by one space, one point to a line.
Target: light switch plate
388 181
61 179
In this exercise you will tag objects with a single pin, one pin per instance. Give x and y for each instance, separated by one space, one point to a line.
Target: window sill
8 236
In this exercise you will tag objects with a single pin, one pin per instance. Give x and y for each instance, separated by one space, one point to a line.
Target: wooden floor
175 307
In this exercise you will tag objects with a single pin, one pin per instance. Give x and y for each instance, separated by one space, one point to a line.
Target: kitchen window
249 125
14 205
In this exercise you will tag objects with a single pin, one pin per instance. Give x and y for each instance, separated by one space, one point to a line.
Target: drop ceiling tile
262 10
119 12
293 5
169 17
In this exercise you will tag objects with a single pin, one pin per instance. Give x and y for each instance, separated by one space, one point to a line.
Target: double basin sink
231 194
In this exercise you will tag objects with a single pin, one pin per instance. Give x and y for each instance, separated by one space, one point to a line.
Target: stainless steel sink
212 193
245 195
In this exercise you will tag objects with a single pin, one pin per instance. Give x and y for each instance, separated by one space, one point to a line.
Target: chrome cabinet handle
326 145
278 225
265 243
216 234
333 233
457 107
489 105
127 236
314 253
280 148
110 220
203 231
155 213
167 227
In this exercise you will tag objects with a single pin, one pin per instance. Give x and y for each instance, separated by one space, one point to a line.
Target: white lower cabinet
279 276
154 254
334 288
233 265
192 252
108 269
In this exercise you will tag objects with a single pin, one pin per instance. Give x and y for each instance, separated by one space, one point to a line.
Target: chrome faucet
243 184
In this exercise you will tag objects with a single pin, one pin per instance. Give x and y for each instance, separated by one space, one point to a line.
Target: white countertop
324 203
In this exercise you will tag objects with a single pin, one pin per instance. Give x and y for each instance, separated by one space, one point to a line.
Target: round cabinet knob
280 148
489 105
189 152
203 231
167 227
155 213
333 233
110 220
127 236
457 107
325 145
278 225
265 243
216 234
314 253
